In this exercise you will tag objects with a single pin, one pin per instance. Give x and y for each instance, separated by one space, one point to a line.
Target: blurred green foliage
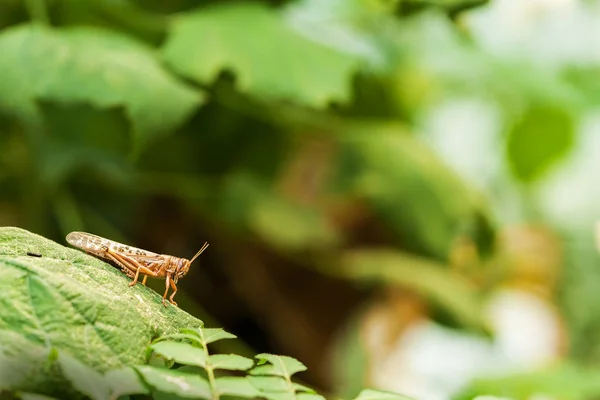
295 137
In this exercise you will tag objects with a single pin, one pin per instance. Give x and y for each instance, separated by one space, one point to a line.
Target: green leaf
542 136
370 394
309 396
193 337
157 395
449 290
278 396
102 67
83 378
174 382
236 386
305 71
269 383
210 335
82 137
124 381
230 362
301 388
280 365
356 27
181 353
73 303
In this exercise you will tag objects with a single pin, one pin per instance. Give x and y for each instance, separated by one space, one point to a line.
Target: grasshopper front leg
174 286
169 282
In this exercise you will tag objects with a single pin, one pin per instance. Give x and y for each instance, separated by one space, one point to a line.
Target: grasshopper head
184 265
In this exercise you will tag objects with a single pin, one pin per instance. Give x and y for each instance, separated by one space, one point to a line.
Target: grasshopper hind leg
131 265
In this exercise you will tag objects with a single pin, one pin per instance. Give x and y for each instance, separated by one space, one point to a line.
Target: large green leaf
75 304
102 67
267 56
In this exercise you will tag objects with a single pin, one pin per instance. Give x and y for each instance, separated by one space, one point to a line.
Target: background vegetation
362 169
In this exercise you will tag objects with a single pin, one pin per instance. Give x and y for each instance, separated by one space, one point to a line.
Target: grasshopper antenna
199 252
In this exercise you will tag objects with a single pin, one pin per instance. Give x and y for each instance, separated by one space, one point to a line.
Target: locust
134 261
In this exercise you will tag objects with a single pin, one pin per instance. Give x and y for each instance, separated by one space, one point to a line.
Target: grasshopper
134 261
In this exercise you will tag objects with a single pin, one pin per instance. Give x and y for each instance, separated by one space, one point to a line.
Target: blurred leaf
349 358
205 42
288 226
33 396
249 202
358 27
309 396
236 386
174 382
102 67
181 353
447 289
230 362
83 378
72 302
80 139
565 381
540 139
411 189
439 61
124 381
485 397
449 4
370 394
278 395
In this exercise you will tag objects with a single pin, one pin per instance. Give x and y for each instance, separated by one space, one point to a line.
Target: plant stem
37 11
209 370
288 378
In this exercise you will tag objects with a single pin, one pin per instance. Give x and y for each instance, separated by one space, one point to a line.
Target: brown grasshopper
134 261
